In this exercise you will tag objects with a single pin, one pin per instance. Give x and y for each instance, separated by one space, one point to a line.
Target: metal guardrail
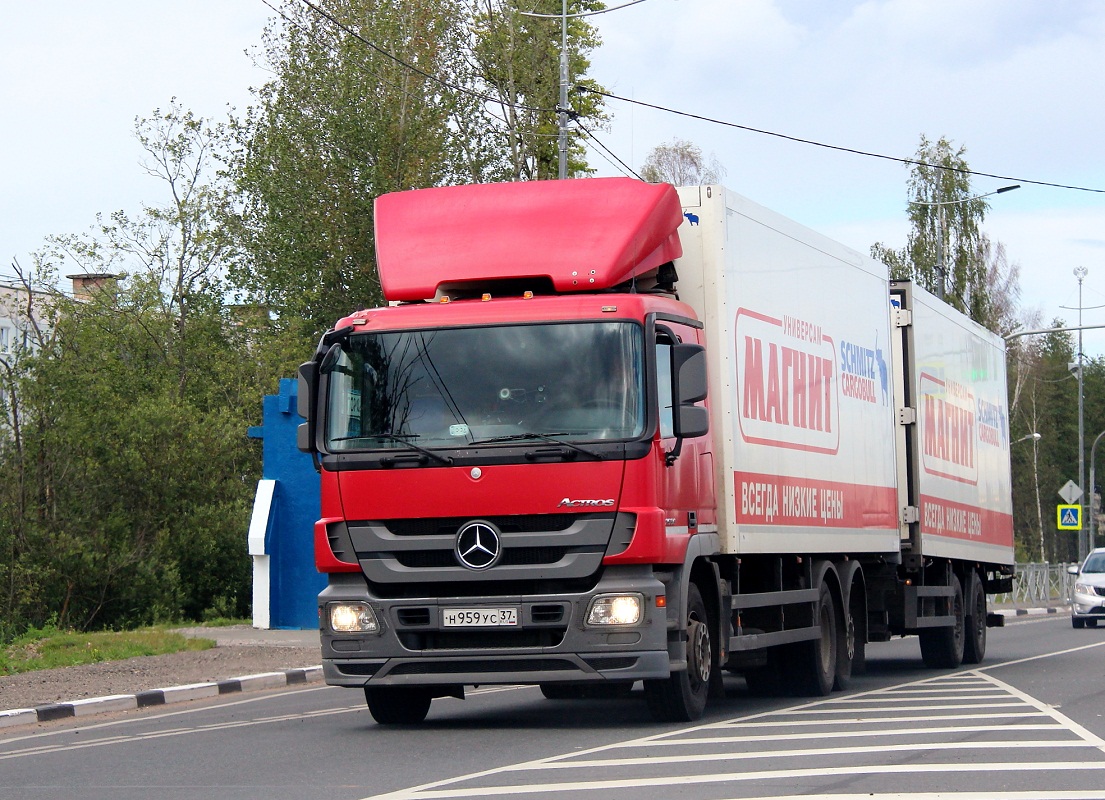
1039 586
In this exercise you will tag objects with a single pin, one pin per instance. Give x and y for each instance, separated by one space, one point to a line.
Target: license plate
478 617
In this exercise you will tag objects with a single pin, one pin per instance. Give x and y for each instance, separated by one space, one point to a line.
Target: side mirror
1072 569
689 386
305 405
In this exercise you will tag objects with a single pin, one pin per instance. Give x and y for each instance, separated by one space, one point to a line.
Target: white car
1088 605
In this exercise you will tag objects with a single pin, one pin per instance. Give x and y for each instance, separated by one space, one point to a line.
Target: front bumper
550 643
1090 606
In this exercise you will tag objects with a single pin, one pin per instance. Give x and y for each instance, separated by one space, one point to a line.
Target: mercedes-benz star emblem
478 545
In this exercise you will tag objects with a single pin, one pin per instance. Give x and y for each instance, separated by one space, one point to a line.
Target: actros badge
479 545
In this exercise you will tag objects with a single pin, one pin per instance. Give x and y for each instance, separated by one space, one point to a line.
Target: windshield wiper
548 437
403 438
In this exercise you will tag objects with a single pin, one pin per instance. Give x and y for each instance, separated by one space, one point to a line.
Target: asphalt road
1028 724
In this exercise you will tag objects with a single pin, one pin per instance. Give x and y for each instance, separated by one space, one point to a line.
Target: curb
1032 612
159 697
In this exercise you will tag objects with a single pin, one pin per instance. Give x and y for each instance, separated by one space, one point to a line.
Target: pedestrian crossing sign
1069 518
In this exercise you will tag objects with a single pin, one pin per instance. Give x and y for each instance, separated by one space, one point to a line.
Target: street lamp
1032 435
941 271
1083 551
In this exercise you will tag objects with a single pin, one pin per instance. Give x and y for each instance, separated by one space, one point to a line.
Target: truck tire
942 648
812 665
682 696
398 705
974 634
1076 622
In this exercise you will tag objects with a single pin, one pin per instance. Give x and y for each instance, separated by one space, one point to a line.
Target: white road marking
866 714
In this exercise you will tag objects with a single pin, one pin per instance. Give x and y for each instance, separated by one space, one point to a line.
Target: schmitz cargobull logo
786 383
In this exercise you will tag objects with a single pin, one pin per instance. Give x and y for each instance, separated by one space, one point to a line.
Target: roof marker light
444 299
527 295
485 297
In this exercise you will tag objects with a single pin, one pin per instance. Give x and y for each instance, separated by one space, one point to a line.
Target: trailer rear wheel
682 696
398 705
812 665
974 642
942 648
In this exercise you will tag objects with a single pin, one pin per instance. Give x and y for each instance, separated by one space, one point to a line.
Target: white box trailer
849 414
954 482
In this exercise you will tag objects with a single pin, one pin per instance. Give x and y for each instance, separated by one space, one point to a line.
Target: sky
1019 83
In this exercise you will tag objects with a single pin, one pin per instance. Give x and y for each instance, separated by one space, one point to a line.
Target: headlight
353 618
615 609
1083 588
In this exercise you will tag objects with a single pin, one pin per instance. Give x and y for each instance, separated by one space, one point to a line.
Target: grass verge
49 648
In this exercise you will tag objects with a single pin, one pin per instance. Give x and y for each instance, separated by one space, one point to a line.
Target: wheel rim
698 651
980 617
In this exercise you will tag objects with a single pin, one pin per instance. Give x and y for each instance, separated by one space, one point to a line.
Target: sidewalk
229 637
243 635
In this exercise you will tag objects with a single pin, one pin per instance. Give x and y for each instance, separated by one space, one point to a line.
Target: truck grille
448 526
406 553
517 555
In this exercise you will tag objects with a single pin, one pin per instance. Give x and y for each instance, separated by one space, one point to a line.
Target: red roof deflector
583 235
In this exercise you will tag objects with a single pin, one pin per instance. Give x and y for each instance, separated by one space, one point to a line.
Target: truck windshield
453 387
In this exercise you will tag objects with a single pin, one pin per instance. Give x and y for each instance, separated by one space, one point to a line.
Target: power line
624 166
582 13
838 148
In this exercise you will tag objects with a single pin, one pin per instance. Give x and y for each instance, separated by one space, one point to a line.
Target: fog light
353 618
615 609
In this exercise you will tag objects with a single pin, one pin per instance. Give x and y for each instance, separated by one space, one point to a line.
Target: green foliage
49 647
131 475
517 58
1044 399
343 122
339 124
947 252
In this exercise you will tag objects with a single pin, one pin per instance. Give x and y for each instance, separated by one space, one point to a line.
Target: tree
680 163
342 122
131 481
516 58
946 251
375 96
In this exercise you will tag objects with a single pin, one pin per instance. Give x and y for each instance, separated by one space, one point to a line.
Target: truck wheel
682 696
974 635
1077 622
398 705
942 648
812 666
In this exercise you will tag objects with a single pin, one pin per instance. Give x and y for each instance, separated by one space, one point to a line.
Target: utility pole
562 112
1083 534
